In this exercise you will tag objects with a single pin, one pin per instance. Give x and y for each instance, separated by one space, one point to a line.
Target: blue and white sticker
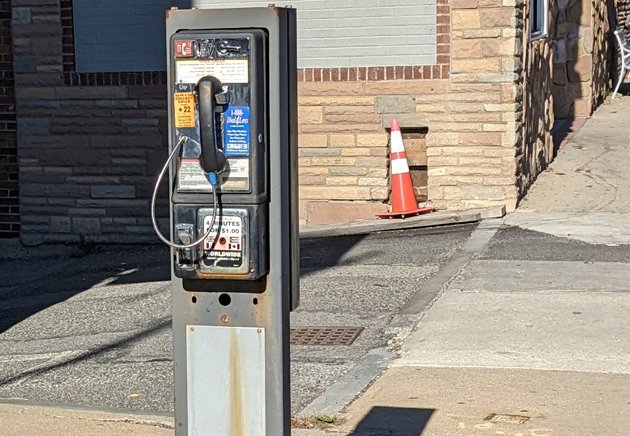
236 131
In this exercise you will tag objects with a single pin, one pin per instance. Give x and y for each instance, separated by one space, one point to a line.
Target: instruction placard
184 109
190 176
226 70
236 176
236 131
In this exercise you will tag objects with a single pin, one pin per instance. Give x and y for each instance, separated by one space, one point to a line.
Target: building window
538 13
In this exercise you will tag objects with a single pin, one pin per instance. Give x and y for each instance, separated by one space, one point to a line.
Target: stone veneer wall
343 132
565 76
623 13
89 154
602 51
344 161
572 63
581 57
536 150
491 54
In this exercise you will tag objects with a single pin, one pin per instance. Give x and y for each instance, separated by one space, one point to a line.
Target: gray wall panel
128 35
348 33
121 35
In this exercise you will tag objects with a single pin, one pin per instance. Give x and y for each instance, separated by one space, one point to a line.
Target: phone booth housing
233 179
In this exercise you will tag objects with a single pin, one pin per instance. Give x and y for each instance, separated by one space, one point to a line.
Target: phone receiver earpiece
212 158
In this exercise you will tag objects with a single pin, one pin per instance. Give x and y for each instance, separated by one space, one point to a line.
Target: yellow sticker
184 109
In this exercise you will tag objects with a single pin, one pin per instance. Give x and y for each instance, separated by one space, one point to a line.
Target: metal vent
325 335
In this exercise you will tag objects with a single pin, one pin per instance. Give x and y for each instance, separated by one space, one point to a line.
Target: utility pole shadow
393 421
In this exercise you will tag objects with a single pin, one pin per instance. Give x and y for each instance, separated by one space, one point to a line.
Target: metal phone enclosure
237 58
232 99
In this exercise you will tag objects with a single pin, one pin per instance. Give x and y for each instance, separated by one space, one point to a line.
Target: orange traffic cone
404 202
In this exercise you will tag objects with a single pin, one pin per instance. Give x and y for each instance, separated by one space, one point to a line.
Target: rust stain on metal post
236 400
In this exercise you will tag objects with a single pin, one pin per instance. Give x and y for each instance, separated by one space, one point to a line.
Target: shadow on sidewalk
393 421
128 341
564 130
321 253
32 285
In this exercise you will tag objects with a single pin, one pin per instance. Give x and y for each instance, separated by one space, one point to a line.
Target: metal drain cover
324 335
511 419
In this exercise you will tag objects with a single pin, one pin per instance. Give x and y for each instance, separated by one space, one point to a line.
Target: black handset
212 158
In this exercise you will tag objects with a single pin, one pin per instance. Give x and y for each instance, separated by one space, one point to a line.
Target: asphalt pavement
92 328
515 327
532 335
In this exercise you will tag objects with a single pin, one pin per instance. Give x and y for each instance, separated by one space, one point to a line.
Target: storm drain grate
325 335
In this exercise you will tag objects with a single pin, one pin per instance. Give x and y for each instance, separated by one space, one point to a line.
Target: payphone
232 172
219 105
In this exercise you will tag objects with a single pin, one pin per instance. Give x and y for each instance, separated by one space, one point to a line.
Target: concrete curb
352 383
20 417
343 392
12 249
440 218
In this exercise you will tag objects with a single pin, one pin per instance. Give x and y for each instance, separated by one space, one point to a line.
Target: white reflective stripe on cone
400 166
397 143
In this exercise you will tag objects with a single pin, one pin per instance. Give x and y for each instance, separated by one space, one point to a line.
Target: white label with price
228 243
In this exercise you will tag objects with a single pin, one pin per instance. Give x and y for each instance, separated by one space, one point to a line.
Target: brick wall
472 117
88 155
343 144
474 125
9 208
476 128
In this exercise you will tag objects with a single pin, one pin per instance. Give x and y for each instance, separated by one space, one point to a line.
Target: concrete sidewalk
34 420
532 336
29 420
